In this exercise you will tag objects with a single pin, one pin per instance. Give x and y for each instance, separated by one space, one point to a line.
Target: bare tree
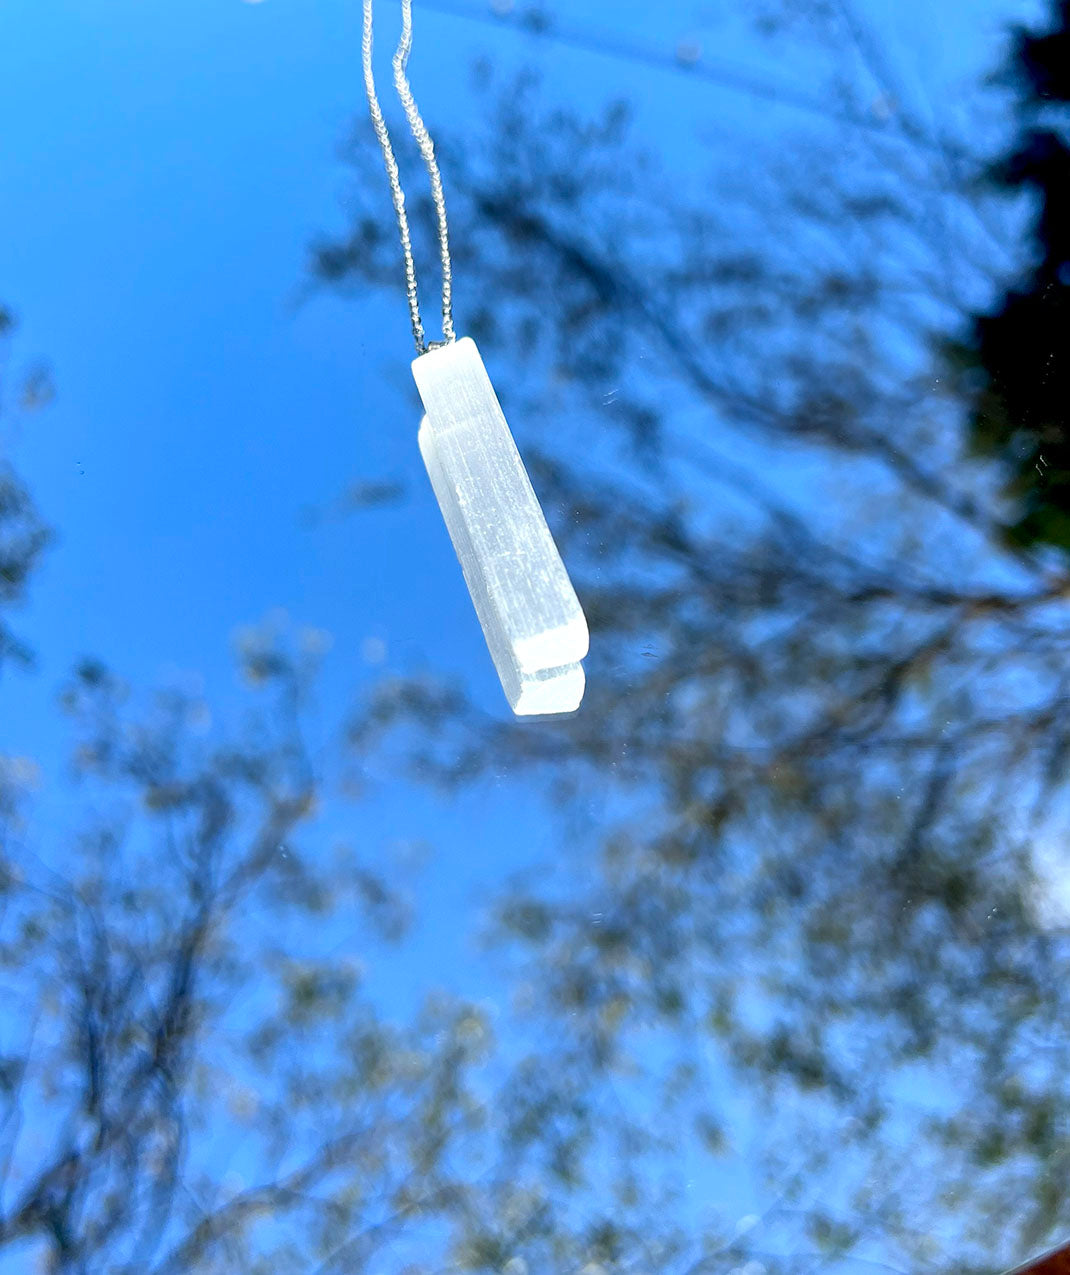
189 1089
194 1076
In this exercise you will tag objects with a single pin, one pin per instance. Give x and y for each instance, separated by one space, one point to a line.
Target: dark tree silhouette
1022 410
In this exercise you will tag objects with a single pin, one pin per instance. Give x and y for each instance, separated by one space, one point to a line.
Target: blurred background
312 957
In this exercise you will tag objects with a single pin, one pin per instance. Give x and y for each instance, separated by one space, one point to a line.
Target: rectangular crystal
532 620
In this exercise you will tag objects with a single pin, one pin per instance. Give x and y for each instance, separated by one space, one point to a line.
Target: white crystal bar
531 617
553 690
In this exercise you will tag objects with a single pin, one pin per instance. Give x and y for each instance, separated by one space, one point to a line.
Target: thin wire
738 79
427 150
396 192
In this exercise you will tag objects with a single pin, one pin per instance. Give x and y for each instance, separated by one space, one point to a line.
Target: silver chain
427 151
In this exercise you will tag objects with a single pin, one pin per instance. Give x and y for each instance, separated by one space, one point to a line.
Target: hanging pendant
531 618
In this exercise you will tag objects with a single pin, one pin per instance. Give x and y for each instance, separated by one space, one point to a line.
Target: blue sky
163 169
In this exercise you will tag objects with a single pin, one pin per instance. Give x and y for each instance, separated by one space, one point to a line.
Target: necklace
534 626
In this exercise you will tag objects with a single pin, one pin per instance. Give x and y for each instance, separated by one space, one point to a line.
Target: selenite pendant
532 620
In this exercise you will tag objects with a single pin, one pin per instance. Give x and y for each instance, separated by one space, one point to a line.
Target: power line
688 60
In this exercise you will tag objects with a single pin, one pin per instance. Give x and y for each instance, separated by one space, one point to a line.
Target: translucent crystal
531 618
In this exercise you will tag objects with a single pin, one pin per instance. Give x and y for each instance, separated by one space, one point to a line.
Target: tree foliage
825 694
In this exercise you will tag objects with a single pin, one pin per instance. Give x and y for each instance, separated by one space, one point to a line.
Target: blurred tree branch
23 536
